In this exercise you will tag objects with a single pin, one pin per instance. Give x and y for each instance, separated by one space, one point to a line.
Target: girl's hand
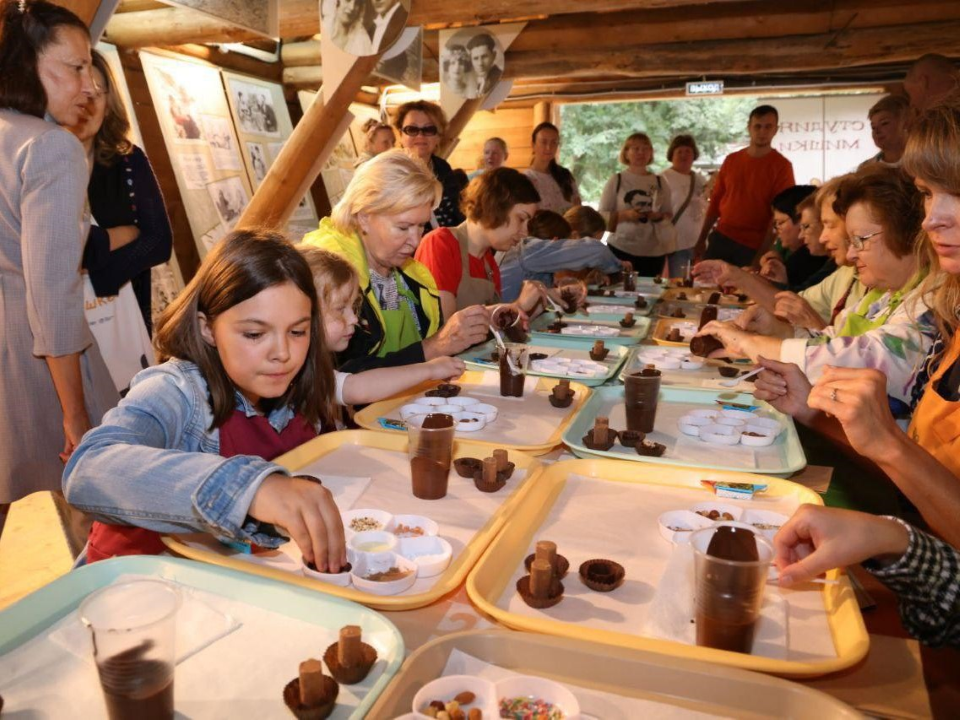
797 311
817 539
785 387
305 509
445 368
857 398
716 272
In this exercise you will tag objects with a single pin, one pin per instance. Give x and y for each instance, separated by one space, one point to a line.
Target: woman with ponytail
555 184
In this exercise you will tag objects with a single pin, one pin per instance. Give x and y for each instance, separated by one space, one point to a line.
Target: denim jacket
154 462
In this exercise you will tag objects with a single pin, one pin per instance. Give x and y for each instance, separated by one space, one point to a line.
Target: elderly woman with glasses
377 226
421 125
890 328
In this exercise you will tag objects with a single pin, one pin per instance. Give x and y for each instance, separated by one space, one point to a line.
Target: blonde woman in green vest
377 226
890 328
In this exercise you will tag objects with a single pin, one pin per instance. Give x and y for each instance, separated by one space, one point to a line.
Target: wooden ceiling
622 47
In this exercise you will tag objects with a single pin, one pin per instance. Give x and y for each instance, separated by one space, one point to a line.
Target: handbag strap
693 182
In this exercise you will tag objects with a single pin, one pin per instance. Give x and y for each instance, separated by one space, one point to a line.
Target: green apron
400 327
857 324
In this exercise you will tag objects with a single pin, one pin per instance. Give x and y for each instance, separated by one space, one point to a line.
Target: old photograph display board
263 125
259 16
204 149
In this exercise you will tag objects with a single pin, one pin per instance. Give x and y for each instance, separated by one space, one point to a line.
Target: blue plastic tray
627 336
32 615
785 456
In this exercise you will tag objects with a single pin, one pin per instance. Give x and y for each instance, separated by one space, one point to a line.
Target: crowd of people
854 316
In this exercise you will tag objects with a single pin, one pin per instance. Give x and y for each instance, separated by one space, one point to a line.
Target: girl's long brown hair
932 155
245 263
112 139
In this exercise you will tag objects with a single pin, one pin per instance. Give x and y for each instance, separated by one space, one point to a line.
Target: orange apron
936 422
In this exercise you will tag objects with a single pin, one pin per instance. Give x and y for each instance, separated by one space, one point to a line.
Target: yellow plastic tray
488 580
370 415
663 327
447 582
700 295
683 684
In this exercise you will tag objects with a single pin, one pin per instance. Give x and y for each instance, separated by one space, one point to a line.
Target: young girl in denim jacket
247 377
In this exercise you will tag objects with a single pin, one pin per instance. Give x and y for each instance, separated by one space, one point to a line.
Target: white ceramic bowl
676 526
733 510
342 579
369 563
489 411
720 434
763 437
431 554
380 516
446 688
470 421
408 411
528 686
463 401
371 541
428 526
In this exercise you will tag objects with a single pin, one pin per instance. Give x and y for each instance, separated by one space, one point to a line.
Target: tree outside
594 132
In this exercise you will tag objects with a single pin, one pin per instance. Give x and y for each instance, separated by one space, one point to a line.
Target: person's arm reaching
375 385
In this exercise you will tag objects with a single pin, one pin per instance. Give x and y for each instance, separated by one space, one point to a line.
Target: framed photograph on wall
259 16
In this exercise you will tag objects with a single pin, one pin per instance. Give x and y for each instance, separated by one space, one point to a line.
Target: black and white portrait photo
229 198
364 27
402 62
471 63
258 161
254 108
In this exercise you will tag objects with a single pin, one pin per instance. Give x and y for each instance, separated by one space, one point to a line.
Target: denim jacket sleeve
154 463
538 255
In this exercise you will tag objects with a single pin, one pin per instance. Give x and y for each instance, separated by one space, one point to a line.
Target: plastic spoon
732 382
503 348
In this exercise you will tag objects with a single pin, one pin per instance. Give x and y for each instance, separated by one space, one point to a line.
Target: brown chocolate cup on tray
489 487
466 467
630 438
611 438
703 345
560 402
602 575
556 594
444 390
648 448
728 371
355 673
291 697
563 565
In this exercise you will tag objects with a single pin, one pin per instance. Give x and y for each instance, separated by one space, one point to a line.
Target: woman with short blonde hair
377 226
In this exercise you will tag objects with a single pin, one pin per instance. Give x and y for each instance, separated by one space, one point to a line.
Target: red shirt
440 252
744 191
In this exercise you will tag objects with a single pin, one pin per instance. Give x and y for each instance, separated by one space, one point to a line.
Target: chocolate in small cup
542 601
291 697
350 659
648 448
630 438
466 467
430 447
728 371
444 390
602 575
590 443
563 402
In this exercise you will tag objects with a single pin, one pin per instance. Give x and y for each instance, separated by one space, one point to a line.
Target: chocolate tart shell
612 436
523 587
467 466
598 357
558 403
602 575
291 697
656 451
630 438
350 675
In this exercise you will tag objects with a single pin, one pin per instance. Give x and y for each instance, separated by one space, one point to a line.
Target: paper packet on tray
734 490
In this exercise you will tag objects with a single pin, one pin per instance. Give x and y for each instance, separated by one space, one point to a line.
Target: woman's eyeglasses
414 130
859 241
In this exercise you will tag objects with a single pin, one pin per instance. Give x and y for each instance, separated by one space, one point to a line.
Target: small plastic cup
729 593
641 394
430 448
513 369
133 625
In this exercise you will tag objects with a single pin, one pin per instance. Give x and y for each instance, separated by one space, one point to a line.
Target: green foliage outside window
593 133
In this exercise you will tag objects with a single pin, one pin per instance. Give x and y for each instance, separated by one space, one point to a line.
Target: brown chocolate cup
599 356
467 467
556 594
630 438
703 345
444 390
489 487
728 371
602 575
354 674
612 436
563 565
291 697
653 449
558 403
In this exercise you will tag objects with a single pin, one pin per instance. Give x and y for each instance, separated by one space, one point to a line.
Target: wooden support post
456 125
303 155
83 9
542 112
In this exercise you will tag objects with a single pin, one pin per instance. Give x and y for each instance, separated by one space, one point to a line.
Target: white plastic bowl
691 364
489 411
342 579
468 421
763 438
536 687
462 401
408 411
431 554
685 520
432 401
707 506
704 412
381 516
428 526
446 688
738 415
368 563
753 517
729 422
371 542
720 434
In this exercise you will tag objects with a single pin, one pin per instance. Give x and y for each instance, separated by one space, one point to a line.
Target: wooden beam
83 9
301 159
232 61
456 125
737 57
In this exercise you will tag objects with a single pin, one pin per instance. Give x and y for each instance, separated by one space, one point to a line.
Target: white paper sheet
598 519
